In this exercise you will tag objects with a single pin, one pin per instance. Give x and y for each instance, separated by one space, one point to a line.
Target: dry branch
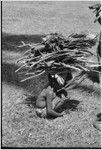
56 52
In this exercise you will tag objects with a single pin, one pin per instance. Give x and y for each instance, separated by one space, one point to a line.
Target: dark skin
45 100
47 96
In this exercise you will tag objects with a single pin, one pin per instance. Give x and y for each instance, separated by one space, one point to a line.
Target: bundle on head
55 53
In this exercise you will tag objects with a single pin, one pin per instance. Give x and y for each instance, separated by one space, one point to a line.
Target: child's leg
60 100
41 104
41 101
57 103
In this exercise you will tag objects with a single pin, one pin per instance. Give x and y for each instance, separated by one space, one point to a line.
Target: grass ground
21 127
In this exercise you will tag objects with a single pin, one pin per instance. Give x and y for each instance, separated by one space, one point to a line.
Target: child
50 100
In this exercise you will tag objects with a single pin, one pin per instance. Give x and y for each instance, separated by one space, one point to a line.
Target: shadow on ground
10 42
33 86
30 101
68 105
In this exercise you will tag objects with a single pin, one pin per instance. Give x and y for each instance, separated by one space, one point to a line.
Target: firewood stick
32 76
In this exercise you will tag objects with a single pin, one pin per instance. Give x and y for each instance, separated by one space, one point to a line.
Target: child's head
55 81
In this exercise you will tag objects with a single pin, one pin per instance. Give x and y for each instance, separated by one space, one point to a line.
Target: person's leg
58 104
41 104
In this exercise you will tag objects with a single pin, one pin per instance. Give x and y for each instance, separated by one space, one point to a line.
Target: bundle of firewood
56 52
